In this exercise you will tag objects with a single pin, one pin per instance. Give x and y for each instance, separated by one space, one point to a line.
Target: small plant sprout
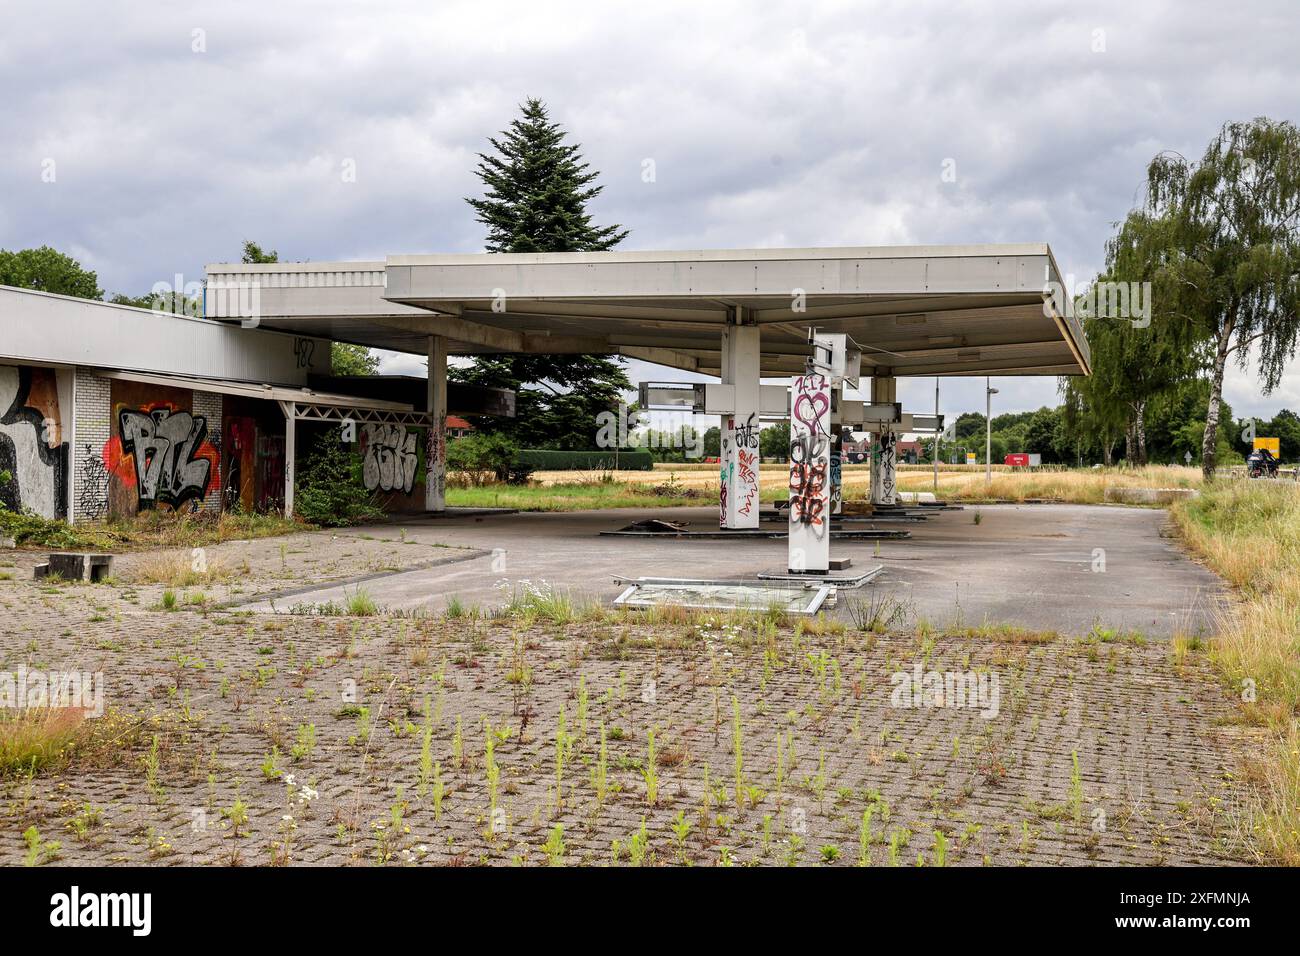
864 836
940 848
305 743
599 773
439 791
638 846
426 751
493 774
151 767
737 747
582 708
1076 788
830 853
563 744
554 846
39 852
650 772
271 765
681 830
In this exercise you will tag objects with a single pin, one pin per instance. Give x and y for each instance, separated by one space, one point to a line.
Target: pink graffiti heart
819 403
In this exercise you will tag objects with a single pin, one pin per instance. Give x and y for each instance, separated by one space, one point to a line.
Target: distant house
457 427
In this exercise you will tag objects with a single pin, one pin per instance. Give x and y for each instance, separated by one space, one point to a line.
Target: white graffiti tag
390 458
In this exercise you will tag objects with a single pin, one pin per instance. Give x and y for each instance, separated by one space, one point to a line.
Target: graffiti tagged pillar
435 480
738 490
884 446
810 487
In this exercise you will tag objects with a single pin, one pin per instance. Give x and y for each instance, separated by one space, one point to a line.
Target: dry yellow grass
183 569
956 482
1076 486
34 737
1249 531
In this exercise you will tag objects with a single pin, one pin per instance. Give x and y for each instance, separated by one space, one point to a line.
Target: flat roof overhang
920 310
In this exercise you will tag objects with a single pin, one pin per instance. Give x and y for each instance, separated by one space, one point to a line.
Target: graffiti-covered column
738 493
883 446
810 457
435 460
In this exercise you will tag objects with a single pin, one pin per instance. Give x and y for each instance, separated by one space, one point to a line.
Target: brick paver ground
1101 751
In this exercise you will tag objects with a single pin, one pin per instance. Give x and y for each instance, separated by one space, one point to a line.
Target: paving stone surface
1093 752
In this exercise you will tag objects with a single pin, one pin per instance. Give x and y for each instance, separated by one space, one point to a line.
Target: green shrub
27 527
329 490
484 452
638 459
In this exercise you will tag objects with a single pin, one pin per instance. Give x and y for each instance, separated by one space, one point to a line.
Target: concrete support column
837 472
435 446
810 461
884 458
738 492
290 410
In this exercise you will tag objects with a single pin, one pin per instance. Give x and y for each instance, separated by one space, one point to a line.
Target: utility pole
937 435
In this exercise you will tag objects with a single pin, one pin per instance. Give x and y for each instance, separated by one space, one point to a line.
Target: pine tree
537 192
537 188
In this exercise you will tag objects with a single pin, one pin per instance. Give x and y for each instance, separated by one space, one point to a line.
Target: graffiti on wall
160 455
92 494
165 447
389 458
32 450
810 456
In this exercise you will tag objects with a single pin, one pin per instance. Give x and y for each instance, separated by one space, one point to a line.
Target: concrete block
7 542
75 566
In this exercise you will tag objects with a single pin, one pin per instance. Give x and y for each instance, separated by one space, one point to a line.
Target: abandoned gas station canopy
921 310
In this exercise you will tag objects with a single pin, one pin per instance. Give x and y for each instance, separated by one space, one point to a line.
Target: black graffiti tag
747 434
164 444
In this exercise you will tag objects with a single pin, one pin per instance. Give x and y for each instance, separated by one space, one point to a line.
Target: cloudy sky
173 131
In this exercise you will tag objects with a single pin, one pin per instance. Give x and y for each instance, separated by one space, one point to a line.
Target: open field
668 485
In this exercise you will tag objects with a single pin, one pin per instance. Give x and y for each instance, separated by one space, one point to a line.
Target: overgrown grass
34 738
1249 532
1075 486
578 496
150 529
559 491
178 569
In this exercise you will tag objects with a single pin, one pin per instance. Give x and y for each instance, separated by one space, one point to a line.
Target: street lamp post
989 392
936 437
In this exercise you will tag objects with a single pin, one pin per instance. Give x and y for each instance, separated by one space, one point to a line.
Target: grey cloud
785 123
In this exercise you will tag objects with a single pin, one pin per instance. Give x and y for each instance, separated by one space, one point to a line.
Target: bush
485 454
29 528
329 490
546 460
